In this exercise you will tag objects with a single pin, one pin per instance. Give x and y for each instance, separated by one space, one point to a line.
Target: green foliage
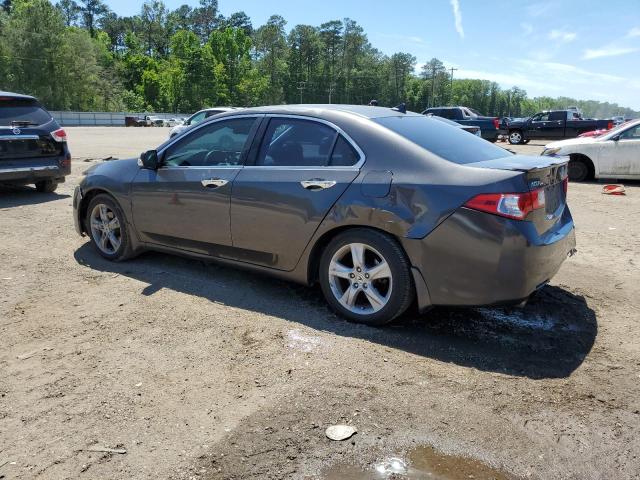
80 55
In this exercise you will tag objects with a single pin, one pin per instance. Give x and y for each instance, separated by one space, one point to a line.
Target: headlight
551 151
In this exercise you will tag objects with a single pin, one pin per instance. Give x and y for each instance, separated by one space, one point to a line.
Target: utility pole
433 83
330 90
301 87
452 70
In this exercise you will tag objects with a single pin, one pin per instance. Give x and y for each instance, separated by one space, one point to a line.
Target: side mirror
149 160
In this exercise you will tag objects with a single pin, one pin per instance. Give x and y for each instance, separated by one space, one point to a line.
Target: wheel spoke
103 213
103 240
338 270
381 270
96 224
376 300
357 255
349 297
115 242
113 223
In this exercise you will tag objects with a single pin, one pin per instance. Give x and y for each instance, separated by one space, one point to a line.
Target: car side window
631 134
197 118
290 142
211 113
449 113
218 144
555 116
344 155
542 117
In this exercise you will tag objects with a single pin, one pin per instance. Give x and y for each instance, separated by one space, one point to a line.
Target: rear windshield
448 142
22 111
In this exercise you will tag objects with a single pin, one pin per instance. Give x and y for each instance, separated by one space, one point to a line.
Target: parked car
156 121
131 121
33 147
172 122
467 128
593 133
554 124
197 118
489 126
378 206
615 154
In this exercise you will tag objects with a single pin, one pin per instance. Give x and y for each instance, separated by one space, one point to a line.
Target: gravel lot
201 371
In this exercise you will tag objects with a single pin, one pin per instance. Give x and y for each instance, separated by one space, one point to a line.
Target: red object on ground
613 190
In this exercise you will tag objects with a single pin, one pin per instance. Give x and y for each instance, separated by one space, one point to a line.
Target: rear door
555 127
185 203
301 167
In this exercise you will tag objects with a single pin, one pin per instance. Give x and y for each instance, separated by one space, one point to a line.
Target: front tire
578 171
366 277
516 137
107 228
46 186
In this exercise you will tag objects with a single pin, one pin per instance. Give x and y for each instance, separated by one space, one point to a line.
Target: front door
301 169
538 126
622 156
185 203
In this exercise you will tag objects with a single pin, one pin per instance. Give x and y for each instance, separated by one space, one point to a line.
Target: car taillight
610 125
496 123
59 135
510 205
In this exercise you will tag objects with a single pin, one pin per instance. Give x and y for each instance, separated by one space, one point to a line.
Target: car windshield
614 131
22 111
451 143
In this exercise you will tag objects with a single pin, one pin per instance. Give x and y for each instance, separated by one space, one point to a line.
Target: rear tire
373 287
46 186
107 228
578 171
516 137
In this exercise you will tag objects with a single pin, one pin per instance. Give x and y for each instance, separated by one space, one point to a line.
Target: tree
153 21
206 19
271 48
92 11
239 20
69 10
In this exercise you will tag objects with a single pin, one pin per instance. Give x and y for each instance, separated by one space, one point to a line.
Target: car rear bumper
33 173
478 259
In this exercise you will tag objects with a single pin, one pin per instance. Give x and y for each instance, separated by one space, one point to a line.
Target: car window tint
344 155
198 117
554 116
449 113
217 144
292 142
211 113
631 134
542 118
22 111
450 143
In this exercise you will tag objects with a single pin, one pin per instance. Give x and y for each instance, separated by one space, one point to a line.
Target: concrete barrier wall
115 119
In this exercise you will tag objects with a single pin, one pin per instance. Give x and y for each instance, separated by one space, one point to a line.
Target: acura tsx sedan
383 209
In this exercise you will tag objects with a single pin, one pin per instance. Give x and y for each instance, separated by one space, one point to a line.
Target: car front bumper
77 200
478 259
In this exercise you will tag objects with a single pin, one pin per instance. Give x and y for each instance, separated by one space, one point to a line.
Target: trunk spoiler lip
521 163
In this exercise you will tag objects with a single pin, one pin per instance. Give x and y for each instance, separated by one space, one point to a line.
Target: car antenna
402 108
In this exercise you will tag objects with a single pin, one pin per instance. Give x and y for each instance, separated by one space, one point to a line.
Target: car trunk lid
545 177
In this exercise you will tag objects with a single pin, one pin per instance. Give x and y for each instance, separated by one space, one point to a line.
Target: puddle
420 463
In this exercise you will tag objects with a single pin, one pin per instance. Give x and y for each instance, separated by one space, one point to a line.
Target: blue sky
586 49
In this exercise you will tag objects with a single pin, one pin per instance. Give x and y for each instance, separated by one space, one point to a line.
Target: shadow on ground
16 196
549 338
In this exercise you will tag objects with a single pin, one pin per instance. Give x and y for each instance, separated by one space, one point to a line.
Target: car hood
122 170
572 141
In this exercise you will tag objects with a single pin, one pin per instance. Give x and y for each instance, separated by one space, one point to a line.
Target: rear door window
22 112
344 155
452 144
292 142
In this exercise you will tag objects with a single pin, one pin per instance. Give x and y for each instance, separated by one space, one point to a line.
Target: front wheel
578 171
515 137
107 228
365 277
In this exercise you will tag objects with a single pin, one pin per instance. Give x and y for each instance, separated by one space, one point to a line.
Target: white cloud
457 15
527 29
608 51
562 35
634 32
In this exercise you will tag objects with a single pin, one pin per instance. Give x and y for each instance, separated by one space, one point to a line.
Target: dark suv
33 147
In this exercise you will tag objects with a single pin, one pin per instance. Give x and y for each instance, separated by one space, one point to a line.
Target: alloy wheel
360 278
105 229
515 137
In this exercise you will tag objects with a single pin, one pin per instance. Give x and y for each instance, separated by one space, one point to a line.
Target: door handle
317 184
214 182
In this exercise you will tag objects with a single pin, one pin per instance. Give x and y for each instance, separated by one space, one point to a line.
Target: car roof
319 110
16 95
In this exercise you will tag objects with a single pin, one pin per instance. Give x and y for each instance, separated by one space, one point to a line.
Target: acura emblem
16 131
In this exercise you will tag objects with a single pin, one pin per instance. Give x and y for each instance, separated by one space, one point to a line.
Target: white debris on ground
299 341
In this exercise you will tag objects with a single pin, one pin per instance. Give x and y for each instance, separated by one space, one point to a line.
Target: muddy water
420 463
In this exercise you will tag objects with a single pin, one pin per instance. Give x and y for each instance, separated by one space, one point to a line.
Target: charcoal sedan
383 209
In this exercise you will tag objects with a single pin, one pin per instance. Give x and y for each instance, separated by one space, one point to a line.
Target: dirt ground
198 371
